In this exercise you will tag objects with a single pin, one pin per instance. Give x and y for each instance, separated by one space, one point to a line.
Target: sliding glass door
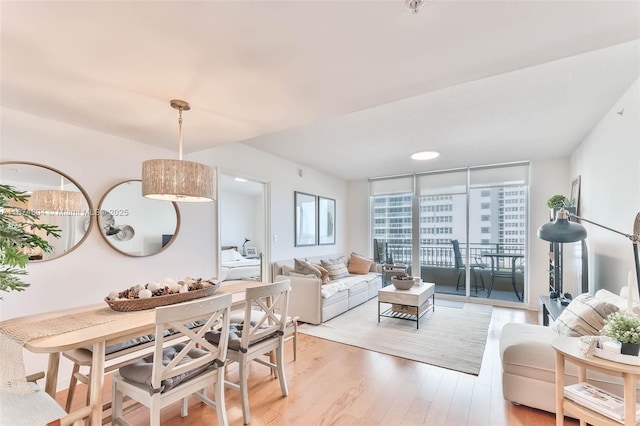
463 229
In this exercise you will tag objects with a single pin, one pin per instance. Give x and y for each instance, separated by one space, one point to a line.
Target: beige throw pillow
324 272
303 267
584 316
335 268
358 264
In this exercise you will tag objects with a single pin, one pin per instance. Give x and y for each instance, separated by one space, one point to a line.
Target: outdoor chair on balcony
461 267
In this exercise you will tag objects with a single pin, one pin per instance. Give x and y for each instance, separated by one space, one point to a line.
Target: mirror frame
104 236
80 188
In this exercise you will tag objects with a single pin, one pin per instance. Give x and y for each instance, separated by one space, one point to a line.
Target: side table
567 349
551 308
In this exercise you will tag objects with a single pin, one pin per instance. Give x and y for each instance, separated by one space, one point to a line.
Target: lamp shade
56 201
178 180
562 231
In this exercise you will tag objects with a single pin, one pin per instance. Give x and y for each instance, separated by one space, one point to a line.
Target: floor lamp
563 231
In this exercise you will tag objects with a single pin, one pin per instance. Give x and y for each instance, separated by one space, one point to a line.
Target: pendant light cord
180 133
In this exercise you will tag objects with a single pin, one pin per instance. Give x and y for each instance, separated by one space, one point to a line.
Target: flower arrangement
622 326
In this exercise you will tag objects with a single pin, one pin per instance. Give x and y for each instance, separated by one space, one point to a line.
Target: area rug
452 338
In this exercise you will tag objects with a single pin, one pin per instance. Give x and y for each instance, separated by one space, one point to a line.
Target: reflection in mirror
74 223
135 225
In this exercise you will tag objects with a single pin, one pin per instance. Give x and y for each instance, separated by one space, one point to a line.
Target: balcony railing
442 255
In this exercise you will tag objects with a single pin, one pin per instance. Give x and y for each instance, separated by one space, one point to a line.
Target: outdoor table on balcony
496 271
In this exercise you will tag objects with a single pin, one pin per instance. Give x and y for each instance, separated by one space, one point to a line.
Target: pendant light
56 201
178 180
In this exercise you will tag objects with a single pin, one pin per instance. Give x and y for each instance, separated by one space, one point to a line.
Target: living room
605 156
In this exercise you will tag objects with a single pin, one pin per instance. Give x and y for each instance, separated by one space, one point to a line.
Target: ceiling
346 87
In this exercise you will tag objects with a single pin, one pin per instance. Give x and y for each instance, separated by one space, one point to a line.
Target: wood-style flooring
336 384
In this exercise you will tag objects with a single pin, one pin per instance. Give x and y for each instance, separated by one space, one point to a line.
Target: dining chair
461 267
290 331
175 372
262 331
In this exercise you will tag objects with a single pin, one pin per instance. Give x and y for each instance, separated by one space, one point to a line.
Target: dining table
71 332
497 271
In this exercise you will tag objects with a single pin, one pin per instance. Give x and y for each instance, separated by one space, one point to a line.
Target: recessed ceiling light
240 180
425 155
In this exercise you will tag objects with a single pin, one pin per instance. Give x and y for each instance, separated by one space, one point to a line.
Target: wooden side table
567 349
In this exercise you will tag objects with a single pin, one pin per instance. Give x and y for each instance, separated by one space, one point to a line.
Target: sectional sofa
313 302
528 361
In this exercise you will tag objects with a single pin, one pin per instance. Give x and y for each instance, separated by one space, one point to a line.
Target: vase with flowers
625 328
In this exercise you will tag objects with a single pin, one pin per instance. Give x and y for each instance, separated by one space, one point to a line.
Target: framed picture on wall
575 195
326 221
306 221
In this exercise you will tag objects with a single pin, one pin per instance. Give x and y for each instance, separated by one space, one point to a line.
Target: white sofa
528 362
313 302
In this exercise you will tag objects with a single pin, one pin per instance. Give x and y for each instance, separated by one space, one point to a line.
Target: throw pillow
299 275
335 268
584 316
303 267
358 264
324 272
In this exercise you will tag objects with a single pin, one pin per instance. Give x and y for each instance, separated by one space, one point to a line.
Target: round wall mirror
44 184
135 225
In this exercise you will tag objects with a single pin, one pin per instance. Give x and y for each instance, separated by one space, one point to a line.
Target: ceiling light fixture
425 155
240 180
178 180
56 201
414 5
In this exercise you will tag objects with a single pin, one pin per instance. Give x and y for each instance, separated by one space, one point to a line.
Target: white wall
86 275
237 213
608 161
284 178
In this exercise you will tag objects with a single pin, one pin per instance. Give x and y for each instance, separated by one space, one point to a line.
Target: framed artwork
306 221
252 252
575 195
326 221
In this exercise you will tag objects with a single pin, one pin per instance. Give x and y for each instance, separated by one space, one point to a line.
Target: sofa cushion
324 273
303 267
584 316
525 350
359 264
336 268
614 299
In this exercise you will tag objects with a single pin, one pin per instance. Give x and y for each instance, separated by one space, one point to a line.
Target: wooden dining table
121 326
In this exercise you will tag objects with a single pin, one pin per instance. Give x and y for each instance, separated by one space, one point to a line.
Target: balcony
437 265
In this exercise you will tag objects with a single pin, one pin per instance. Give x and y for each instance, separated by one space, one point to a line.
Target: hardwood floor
335 384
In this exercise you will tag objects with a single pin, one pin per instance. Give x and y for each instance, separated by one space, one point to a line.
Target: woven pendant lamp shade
178 180
56 201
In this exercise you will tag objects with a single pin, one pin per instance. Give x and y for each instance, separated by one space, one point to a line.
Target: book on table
599 400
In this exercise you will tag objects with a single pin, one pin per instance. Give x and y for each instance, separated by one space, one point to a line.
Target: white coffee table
412 299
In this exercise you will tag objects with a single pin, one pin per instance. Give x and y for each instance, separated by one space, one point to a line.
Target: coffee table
413 302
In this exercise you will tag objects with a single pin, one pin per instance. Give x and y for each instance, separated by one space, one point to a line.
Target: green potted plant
557 201
625 328
20 233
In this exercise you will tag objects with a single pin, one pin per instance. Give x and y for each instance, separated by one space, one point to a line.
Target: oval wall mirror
43 183
135 225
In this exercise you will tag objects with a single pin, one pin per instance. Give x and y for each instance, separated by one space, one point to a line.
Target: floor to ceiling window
465 228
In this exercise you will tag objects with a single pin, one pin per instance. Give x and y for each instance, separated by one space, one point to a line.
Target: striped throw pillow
584 316
336 268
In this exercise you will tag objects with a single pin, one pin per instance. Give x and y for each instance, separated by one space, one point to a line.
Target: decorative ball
184 289
114 295
153 286
145 294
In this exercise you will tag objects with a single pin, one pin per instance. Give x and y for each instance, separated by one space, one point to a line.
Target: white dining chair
175 372
265 314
